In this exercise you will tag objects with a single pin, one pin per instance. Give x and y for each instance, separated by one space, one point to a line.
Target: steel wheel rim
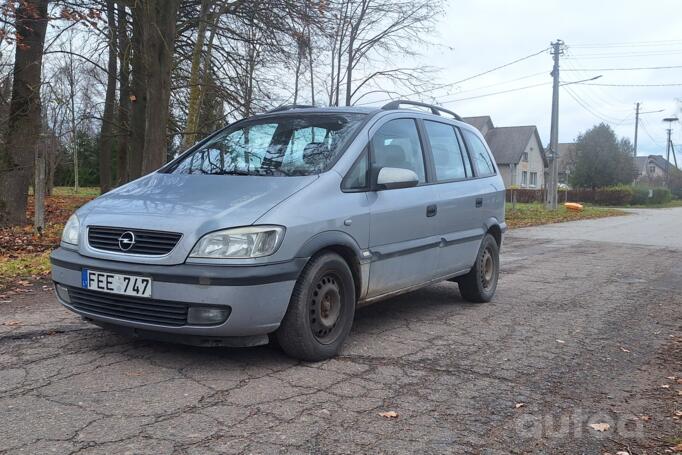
487 269
326 308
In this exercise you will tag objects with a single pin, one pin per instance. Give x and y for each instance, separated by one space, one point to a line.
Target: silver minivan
282 223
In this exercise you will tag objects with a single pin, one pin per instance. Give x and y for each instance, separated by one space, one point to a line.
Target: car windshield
285 145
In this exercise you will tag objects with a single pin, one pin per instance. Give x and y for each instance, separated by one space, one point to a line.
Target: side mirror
392 178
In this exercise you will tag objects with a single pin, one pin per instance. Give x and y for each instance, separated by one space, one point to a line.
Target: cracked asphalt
586 328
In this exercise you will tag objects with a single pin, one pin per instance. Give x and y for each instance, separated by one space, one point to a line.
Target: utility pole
638 114
668 147
667 159
552 194
636 127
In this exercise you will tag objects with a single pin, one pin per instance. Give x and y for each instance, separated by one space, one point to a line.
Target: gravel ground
586 329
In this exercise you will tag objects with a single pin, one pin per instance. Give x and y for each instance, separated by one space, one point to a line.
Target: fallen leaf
665 386
679 392
622 452
600 426
560 341
11 322
677 448
624 350
679 381
389 414
519 405
645 418
678 413
672 378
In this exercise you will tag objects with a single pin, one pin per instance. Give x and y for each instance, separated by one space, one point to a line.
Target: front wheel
321 310
480 283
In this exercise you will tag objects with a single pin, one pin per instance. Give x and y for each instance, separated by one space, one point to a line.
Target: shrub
526 195
660 196
614 195
640 195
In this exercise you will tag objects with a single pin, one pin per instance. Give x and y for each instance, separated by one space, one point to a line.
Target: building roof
479 122
506 142
658 160
509 142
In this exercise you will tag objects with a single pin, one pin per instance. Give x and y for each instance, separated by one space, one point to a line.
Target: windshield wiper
233 172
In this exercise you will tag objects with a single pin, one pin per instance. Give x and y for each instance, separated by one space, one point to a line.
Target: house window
524 157
533 179
524 178
652 169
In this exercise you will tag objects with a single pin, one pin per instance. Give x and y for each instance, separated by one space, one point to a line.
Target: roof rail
287 107
436 110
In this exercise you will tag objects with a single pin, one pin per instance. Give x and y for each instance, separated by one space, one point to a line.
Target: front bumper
258 296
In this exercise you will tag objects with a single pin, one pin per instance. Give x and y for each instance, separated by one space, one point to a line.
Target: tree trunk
16 161
107 131
297 75
311 68
39 186
159 41
138 96
349 72
124 95
195 86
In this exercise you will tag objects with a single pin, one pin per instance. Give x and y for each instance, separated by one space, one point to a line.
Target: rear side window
447 154
396 144
479 153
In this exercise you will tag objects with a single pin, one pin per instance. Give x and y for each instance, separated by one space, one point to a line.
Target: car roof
355 110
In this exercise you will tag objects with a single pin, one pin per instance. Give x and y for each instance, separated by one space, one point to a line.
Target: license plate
117 283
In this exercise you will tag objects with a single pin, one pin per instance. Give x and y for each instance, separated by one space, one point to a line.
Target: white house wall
534 164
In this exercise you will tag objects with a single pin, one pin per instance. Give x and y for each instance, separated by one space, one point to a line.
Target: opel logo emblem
126 241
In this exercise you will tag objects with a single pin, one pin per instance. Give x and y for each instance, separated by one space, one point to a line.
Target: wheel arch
345 246
493 227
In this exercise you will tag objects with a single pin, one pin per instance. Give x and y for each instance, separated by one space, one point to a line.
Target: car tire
321 311
480 283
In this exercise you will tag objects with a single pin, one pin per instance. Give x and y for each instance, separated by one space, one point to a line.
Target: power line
585 105
646 130
628 44
599 97
497 84
421 92
501 66
677 84
629 54
495 93
626 69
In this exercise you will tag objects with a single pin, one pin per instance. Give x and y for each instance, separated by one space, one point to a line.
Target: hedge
613 195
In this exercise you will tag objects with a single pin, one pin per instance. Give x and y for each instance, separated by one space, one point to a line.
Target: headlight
246 242
70 233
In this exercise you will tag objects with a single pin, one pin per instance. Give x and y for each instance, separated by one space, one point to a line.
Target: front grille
153 243
135 309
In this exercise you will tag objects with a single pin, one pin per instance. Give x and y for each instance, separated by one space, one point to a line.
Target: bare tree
159 18
107 130
364 38
124 94
16 160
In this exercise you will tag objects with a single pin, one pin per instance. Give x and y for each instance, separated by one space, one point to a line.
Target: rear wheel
321 310
480 283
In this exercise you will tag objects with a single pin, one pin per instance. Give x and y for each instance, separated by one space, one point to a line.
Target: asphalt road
586 329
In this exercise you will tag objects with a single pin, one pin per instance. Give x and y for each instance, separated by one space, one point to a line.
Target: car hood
189 204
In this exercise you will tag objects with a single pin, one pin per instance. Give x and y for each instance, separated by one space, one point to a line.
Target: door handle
479 202
431 210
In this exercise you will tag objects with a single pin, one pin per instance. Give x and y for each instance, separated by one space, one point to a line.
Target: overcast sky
620 34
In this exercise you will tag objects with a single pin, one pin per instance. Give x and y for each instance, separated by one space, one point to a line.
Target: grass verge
535 214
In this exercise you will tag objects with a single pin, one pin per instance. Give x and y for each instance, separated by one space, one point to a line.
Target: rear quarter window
479 154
